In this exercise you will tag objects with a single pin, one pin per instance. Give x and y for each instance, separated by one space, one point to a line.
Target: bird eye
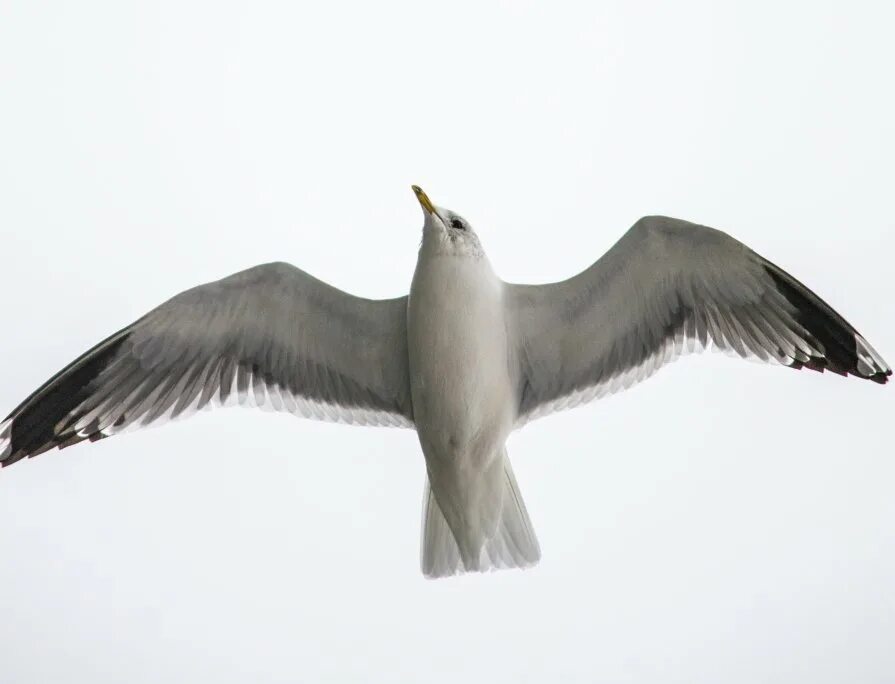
457 224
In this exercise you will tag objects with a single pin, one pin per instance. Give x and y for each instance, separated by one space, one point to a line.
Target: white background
725 521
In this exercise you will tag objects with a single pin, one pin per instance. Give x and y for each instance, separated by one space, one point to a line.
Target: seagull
464 359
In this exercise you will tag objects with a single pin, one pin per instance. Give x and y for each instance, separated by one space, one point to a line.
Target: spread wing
669 287
269 336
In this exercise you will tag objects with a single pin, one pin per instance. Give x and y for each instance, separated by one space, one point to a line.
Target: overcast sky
724 521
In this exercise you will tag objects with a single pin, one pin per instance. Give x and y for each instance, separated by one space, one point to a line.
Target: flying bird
464 359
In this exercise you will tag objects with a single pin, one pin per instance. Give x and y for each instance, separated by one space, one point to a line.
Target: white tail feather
513 545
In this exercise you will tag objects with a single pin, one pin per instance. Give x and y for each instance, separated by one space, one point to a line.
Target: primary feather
269 336
666 288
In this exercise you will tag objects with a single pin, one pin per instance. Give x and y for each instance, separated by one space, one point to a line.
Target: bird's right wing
669 287
269 336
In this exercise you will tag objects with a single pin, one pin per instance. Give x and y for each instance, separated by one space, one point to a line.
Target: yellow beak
423 199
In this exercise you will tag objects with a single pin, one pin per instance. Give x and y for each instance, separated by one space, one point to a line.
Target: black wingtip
844 351
881 378
34 426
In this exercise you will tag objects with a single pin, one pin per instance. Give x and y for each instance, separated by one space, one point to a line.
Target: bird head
445 230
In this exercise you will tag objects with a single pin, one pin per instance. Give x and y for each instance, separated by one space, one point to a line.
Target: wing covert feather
666 288
270 336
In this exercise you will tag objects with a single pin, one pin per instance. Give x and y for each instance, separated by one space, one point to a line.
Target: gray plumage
464 359
270 336
666 288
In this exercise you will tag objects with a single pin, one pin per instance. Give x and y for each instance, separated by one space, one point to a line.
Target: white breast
460 382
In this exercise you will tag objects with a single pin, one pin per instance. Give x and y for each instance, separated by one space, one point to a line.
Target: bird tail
513 544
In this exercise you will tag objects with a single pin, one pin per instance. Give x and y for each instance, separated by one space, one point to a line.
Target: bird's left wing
269 336
669 287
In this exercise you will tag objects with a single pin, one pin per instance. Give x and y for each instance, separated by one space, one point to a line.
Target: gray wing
270 336
669 287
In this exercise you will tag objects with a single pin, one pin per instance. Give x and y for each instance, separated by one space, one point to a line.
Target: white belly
459 371
464 398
